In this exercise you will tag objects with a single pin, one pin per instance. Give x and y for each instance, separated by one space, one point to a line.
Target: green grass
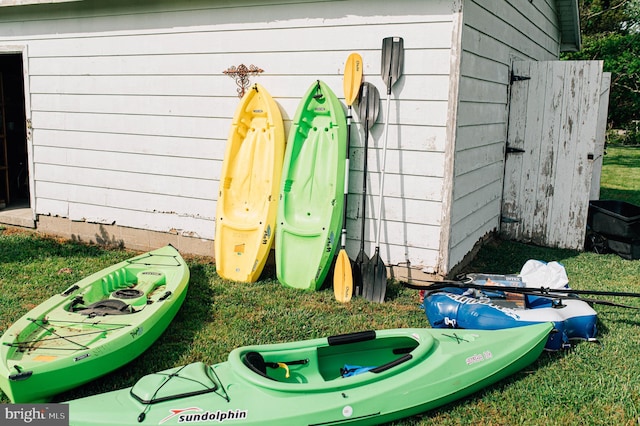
589 384
621 174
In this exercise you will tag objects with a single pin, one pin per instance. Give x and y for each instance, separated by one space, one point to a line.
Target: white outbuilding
116 113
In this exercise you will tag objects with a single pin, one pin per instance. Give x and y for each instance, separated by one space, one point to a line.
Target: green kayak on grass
309 218
92 328
364 378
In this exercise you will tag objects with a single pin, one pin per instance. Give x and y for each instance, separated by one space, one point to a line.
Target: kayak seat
107 307
256 363
238 225
114 280
302 232
146 283
282 371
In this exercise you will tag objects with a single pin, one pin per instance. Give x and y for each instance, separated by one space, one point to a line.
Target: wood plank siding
494 35
130 108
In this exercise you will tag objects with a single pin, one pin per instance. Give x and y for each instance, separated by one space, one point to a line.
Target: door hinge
512 150
29 129
505 219
515 77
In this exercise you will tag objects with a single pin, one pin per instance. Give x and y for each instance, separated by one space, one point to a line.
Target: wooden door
552 142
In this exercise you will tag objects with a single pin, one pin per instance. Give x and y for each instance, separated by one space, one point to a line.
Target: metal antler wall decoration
241 74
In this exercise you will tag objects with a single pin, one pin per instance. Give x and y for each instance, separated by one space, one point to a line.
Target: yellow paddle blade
352 78
343 278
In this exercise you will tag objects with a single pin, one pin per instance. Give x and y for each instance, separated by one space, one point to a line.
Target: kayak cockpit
123 291
332 362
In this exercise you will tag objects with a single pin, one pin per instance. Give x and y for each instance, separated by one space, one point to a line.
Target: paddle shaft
352 81
542 291
375 277
362 258
369 104
343 274
392 59
343 236
384 161
367 125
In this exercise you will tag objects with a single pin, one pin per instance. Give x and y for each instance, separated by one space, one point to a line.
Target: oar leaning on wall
374 278
343 273
368 108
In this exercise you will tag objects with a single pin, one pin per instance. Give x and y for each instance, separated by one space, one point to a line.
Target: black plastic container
629 250
614 219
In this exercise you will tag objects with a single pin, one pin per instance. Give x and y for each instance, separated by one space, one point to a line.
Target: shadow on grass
630 196
508 257
20 247
622 156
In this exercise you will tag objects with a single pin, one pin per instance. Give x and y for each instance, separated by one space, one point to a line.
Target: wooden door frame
21 49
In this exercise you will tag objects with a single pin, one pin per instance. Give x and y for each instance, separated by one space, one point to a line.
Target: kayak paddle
342 273
368 107
540 291
374 278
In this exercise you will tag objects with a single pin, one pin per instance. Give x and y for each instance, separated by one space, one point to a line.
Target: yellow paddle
342 273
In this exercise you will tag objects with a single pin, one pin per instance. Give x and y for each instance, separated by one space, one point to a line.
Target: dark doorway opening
14 170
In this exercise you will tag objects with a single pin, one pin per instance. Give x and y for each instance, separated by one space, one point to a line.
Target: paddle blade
358 272
352 78
368 104
392 60
367 282
343 278
374 279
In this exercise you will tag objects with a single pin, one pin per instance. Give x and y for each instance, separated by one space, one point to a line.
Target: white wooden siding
131 109
493 35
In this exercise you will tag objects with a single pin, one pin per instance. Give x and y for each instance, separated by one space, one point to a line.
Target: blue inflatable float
455 307
573 319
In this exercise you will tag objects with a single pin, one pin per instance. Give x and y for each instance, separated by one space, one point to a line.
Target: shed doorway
14 170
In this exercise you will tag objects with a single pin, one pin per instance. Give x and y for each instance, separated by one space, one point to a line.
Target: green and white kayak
364 378
92 328
309 218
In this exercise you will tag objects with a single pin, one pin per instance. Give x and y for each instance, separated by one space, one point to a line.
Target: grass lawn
592 383
621 174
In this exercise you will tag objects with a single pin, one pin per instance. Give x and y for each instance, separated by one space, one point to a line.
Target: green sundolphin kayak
309 218
92 328
364 378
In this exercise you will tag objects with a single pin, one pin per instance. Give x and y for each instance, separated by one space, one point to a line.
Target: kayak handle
23 375
344 339
70 290
395 362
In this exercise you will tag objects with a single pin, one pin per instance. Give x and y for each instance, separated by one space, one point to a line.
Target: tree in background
611 33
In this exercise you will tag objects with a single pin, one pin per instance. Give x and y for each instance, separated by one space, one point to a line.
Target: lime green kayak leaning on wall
309 219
